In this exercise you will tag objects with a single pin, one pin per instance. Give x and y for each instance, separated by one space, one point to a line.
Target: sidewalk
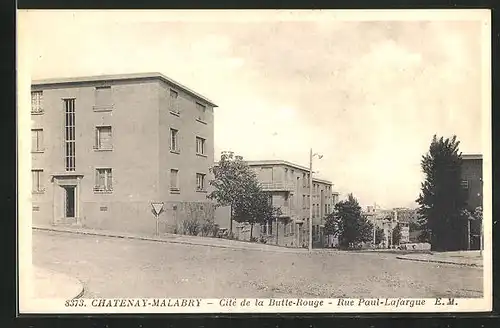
49 284
177 239
465 258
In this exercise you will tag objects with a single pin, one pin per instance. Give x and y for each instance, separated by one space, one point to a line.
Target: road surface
113 267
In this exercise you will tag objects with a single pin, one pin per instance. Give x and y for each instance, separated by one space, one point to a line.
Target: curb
82 292
439 261
161 240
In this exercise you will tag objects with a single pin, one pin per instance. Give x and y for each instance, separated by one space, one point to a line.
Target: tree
233 182
255 207
441 198
379 235
396 235
348 224
236 185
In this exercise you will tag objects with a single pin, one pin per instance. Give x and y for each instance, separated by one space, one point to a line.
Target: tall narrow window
103 97
200 182
103 180
174 179
37 181
37 140
174 144
464 184
36 102
200 146
304 183
103 138
69 139
174 106
201 111
303 201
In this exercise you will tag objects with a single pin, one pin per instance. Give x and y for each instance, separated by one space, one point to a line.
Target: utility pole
310 198
311 155
468 233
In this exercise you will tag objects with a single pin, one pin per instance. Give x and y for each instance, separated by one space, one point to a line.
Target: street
113 267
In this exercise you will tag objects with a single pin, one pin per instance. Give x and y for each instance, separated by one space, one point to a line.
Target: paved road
111 267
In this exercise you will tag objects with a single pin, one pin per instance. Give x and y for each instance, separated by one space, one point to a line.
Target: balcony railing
277 186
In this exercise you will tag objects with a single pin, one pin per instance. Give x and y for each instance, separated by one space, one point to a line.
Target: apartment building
105 147
289 187
472 184
472 180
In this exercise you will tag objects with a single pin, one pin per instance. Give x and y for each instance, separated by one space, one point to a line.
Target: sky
366 92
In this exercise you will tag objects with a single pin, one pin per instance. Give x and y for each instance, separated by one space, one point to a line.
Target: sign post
157 209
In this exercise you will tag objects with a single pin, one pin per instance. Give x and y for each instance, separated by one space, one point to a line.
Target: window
174 106
69 140
36 181
103 97
174 179
104 180
326 208
267 228
200 182
201 111
304 183
37 140
103 138
36 102
200 146
303 201
308 201
308 181
174 145
465 184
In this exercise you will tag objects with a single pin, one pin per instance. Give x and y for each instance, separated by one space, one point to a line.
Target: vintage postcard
312 161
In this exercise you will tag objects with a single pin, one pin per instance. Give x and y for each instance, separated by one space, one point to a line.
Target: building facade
388 220
289 187
472 180
472 184
105 147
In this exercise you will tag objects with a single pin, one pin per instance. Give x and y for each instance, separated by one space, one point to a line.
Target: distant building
105 147
388 220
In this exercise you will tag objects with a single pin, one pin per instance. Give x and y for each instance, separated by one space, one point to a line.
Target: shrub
191 226
209 228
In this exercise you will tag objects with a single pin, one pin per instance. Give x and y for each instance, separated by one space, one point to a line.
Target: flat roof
472 156
285 163
121 77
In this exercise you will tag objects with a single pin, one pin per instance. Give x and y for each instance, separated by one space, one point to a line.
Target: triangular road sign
157 207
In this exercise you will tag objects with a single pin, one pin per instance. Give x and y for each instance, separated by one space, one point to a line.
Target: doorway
69 201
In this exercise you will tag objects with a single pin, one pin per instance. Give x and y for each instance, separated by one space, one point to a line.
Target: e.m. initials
440 301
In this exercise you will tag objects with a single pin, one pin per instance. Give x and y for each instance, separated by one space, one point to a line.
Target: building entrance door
69 201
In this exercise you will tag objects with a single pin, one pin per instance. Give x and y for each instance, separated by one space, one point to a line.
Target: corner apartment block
289 189
105 147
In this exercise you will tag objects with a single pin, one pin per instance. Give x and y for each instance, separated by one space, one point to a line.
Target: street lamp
311 155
